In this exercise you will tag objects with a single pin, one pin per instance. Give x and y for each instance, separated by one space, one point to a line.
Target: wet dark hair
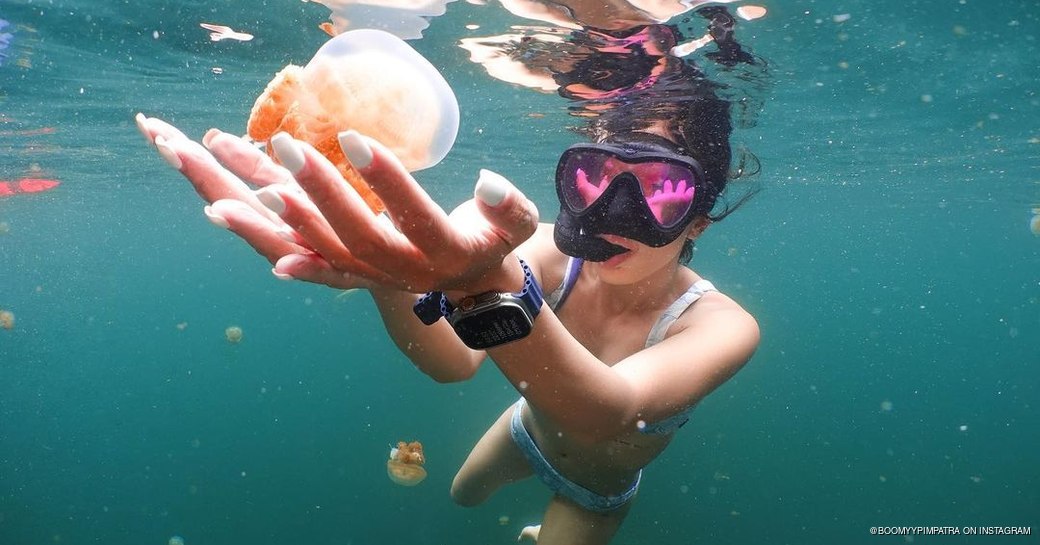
674 97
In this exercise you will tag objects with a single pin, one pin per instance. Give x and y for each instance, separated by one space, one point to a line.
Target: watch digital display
484 328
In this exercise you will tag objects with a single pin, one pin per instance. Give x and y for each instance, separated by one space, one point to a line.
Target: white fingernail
281 276
355 148
140 119
215 218
167 153
271 200
288 151
491 188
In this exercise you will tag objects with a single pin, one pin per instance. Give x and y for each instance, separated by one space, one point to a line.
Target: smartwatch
488 319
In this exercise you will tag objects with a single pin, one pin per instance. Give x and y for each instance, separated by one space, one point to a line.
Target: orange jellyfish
369 81
405 464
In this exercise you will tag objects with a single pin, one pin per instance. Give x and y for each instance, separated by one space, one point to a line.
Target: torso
608 467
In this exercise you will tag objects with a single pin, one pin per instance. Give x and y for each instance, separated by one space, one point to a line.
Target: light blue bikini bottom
558 483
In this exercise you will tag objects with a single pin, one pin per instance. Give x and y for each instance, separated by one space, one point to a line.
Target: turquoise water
888 258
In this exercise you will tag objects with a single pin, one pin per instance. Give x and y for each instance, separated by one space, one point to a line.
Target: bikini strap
672 313
559 295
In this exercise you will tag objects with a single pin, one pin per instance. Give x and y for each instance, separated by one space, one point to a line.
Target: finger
345 212
151 127
304 218
244 159
315 269
412 210
251 226
513 217
211 180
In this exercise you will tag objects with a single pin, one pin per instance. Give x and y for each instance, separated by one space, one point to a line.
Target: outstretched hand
312 225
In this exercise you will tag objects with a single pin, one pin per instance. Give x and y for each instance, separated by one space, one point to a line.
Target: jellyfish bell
366 80
6 319
233 334
405 474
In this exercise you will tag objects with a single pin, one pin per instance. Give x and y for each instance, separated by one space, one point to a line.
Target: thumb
512 216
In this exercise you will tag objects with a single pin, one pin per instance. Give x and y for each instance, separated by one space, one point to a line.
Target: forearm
436 350
568 383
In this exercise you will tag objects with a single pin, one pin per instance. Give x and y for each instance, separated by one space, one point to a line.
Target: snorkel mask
644 190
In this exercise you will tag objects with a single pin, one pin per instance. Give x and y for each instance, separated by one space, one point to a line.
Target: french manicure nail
282 276
215 218
271 200
167 152
288 151
491 188
140 119
208 137
354 146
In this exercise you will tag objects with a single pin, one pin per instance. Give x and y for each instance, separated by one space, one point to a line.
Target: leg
567 523
494 461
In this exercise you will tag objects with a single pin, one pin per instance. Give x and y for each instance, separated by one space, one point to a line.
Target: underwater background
890 259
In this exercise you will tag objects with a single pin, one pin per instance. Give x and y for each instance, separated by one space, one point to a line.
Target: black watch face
493 326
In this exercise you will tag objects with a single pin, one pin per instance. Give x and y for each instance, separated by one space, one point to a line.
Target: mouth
621 242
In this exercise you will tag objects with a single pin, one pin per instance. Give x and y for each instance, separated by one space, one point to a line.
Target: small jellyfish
6 319
405 464
175 540
233 334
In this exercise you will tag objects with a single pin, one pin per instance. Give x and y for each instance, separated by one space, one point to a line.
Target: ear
699 224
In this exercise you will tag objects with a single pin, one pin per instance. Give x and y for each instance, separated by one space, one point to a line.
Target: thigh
494 461
567 523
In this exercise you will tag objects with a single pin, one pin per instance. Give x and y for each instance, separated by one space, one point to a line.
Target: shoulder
717 316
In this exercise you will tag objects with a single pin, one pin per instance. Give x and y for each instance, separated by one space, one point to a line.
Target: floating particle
886 406
217 70
4 228
221 32
964 427
959 30
841 18
6 319
503 520
175 540
233 334
926 98
182 326
472 27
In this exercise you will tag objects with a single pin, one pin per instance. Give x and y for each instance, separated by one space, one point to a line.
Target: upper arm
716 338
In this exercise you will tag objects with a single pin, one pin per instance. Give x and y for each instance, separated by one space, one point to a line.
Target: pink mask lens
668 187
